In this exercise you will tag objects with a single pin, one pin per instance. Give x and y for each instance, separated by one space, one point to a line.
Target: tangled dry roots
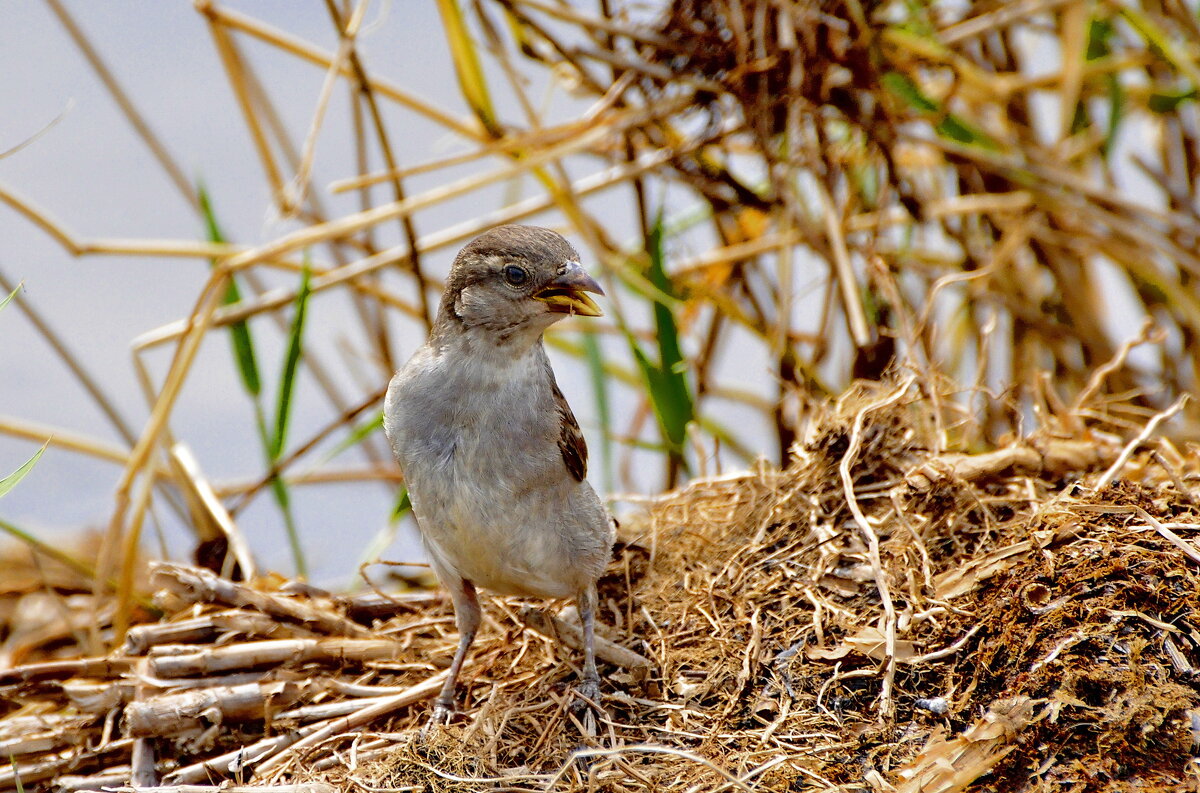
1046 627
878 615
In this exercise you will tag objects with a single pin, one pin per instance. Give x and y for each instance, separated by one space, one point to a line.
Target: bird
492 456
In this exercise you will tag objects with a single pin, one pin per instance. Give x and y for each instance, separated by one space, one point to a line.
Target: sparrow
493 458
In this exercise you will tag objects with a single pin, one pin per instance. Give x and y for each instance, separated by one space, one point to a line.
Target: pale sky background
92 173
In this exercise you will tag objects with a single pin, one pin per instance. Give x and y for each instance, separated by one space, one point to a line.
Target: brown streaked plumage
494 460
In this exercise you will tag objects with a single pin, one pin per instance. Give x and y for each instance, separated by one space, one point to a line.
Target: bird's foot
442 712
586 707
587 693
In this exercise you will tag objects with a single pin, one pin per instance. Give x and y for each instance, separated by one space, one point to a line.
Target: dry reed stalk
81 444
194 585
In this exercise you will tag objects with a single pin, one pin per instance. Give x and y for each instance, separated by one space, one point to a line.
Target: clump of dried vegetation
883 613
973 566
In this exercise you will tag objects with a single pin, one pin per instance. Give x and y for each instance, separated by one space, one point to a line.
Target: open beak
566 294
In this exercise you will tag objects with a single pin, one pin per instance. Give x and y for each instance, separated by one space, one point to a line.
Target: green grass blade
947 124
357 435
595 363
403 506
49 551
902 87
243 345
11 295
10 481
673 400
467 68
239 332
1116 110
1176 50
277 440
670 423
291 363
665 379
1167 102
1100 34
282 497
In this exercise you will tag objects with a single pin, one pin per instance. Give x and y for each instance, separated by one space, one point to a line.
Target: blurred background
230 221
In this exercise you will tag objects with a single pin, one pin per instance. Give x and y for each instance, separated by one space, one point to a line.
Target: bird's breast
479 451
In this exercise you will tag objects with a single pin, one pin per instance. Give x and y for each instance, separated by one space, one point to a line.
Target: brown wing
570 438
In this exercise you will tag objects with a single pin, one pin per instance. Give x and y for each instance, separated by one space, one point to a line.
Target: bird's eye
515 276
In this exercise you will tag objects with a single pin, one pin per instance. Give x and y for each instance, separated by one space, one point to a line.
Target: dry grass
877 615
932 195
946 179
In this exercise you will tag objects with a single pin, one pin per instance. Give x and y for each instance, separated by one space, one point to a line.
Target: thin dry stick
1001 17
441 239
56 436
351 224
193 478
302 449
129 559
126 104
374 317
165 160
599 115
299 787
72 362
558 187
200 585
1149 334
237 760
49 125
189 345
945 651
313 54
738 251
1012 241
1151 427
389 158
881 582
1067 194
235 70
1173 538
608 25
855 315
1176 480
415 693
1123 509
646 748
111 247
300 182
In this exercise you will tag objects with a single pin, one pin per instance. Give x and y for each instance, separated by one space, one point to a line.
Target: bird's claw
439 718
587 696
586 706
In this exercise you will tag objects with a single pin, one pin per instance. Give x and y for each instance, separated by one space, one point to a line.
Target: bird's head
513 282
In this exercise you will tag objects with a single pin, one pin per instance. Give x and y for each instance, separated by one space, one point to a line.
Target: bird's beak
566 293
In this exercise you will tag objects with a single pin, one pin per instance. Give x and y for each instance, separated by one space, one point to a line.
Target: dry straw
983 566
746 642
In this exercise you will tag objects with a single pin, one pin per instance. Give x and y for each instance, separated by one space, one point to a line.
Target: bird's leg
589 686
466 616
